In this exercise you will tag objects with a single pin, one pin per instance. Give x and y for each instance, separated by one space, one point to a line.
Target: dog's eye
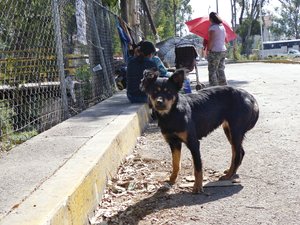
166 90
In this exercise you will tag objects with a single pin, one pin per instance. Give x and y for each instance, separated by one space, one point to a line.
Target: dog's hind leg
226 129
237 156
227 132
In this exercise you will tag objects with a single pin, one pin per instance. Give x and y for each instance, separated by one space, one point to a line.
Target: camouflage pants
216 67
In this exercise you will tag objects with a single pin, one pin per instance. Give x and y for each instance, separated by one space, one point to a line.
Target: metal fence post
98 41
60 58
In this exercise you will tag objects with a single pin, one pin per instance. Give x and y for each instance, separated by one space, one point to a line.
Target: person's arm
211 38
204 49
159 64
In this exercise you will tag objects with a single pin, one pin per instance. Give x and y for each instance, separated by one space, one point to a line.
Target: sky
203 7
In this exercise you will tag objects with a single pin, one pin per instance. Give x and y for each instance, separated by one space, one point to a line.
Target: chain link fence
56 59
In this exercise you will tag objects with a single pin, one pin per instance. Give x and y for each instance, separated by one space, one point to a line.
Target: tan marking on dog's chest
182 135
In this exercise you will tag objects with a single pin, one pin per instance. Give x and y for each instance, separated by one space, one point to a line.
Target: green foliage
162 20
20 137
288 23
110 3
254 57
163 13
84 74
9 138
163 16
183 14
6 114
28 17
249 24
243 32
117 49
238 54
163 23
69 27
243 29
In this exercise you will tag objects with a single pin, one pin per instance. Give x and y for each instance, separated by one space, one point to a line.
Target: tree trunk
124 10
233 23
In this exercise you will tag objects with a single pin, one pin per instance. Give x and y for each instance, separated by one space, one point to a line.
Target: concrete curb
75 189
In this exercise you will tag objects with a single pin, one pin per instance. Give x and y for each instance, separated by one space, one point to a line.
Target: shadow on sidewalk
237 83
162 200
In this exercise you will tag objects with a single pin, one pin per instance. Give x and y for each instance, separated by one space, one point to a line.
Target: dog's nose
159 101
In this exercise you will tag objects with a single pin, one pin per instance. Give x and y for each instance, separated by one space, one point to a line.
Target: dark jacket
135 69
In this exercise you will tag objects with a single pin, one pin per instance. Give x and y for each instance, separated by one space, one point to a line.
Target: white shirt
218 44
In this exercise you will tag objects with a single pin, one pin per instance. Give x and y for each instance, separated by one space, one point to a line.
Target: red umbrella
200 26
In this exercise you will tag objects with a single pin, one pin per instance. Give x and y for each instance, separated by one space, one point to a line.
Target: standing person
216 51
135 70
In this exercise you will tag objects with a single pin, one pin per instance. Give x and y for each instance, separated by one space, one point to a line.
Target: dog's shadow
162 200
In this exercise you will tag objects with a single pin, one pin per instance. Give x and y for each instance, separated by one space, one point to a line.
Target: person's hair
215 18
147 48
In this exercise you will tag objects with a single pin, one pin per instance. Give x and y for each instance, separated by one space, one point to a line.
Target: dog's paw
225 177
166 186
170 182
198 190
228 175
172 179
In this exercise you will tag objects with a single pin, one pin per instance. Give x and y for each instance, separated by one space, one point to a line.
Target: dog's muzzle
160 103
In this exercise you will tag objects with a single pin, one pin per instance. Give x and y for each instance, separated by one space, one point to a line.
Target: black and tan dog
187 118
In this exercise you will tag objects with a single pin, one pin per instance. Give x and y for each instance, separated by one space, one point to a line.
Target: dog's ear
149 77
177 78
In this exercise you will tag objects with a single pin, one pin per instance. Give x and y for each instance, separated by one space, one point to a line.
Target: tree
288 24
168 16
184 14
248 22
233 23
21 27
164 18
233 4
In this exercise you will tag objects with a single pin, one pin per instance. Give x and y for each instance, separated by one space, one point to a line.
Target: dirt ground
266 190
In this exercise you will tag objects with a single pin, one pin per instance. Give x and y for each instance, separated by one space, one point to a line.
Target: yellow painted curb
74 191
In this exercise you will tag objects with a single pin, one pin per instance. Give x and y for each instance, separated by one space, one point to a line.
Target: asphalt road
269 189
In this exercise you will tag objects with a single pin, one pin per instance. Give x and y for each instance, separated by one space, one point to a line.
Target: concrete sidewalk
58 176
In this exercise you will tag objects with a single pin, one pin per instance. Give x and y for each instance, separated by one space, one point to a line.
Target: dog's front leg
176 155
175 144
194 146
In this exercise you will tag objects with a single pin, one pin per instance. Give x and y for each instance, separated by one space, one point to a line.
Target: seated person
165 73
135 69
133 51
